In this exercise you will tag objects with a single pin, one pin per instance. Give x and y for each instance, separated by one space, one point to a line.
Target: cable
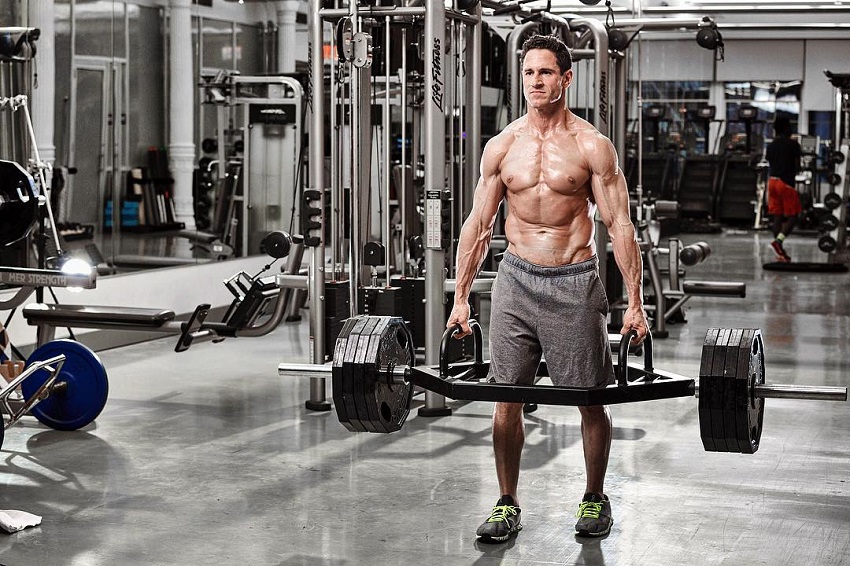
264 269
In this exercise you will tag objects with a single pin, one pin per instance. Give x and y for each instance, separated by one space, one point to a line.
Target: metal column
316 275
473 111
513 75
600 114
435 182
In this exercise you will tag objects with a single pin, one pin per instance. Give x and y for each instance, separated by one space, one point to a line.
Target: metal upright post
402 189
435 182
316 276
473 114
620 108
335 181
386 228
354 243
600 114
514 80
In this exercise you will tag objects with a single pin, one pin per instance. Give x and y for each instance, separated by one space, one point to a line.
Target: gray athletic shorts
560 313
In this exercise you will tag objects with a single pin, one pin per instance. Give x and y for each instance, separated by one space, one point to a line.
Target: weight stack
382 301
413 311
337 310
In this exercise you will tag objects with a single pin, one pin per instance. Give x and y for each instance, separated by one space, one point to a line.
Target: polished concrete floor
208 457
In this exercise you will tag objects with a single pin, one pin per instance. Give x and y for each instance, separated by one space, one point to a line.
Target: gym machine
351 215
660 164
665 302
63 383
17 49
256 173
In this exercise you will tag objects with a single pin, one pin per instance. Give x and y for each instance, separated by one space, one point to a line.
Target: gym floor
208 457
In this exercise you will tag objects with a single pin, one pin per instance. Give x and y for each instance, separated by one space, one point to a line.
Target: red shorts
782 199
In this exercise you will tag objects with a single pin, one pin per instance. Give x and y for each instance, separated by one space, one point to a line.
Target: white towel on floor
13 521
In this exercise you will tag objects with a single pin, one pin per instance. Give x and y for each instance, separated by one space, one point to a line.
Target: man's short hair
553 44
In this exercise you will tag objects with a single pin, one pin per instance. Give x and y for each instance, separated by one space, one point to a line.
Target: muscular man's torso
550 203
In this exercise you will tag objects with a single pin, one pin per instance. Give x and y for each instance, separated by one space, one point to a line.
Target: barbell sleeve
399 374
804 392
812 392
316 370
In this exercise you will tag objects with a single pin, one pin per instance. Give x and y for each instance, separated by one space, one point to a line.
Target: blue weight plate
85 396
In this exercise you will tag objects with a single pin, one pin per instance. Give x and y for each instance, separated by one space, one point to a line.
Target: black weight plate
730 375
380 341
836 156
832 200
706 386
87 386
363 387
339 374
750 407
828 223
833 179
209 145
365 400
352 374
827 244
718 391
393 400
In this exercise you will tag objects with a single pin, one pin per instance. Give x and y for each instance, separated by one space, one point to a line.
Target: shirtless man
554 170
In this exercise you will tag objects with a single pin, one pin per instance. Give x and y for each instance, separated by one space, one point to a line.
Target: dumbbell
694 253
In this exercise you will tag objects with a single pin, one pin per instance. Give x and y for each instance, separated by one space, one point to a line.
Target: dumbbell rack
834 242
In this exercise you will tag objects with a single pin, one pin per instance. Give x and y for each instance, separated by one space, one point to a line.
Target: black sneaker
594 516
502 522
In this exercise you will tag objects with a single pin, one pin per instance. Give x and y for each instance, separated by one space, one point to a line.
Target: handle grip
622 360
449 334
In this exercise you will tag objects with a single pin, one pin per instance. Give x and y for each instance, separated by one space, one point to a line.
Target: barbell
374 377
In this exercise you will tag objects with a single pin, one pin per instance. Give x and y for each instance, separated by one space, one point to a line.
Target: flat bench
86 316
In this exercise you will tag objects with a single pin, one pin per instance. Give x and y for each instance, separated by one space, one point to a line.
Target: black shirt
784 156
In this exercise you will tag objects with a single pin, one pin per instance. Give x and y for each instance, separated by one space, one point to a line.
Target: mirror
118 199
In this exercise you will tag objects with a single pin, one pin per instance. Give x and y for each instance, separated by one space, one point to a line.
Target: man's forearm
471 250
628 258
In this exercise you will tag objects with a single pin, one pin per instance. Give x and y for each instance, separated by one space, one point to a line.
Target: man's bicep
490 189
607 181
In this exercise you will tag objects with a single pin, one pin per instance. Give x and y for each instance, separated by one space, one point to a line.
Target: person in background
783 203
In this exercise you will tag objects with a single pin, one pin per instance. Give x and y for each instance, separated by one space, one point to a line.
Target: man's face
542 80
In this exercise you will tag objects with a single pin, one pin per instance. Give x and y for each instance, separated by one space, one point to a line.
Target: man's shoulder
506 137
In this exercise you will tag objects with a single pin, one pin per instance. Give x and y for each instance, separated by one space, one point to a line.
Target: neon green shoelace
589 510
501 512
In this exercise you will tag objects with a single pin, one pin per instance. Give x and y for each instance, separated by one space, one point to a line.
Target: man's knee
595 413
508 410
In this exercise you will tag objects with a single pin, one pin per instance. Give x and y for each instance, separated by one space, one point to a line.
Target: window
670 115
768 99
